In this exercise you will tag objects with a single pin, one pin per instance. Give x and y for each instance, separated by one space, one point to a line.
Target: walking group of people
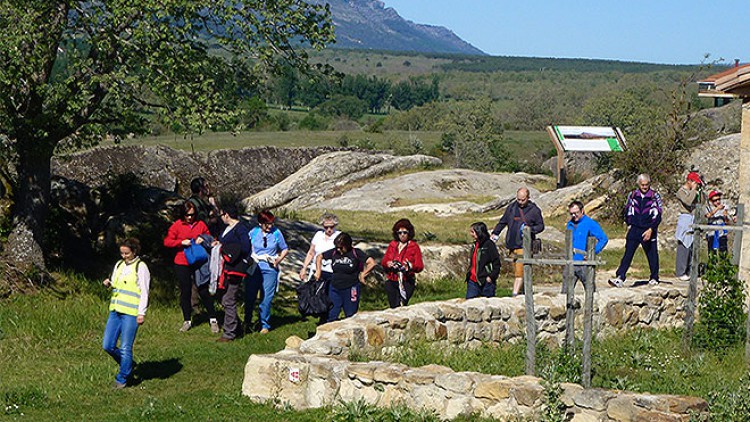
238 256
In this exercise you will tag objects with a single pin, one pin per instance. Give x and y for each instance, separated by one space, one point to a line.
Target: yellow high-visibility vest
126 294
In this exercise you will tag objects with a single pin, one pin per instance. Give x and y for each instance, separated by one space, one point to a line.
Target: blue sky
654 31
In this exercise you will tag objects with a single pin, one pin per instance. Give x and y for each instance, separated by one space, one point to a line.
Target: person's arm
416 265
656 213
502 223
369 265
496 263
308 259
318 266
601 237
173 240
390 253
282 246
144 283
536 222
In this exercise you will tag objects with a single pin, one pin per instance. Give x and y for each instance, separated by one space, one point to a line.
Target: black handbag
313 298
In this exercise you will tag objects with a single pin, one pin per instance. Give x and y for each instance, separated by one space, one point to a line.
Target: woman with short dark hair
181 234
350 267
268 249
235 249
402 260
484 264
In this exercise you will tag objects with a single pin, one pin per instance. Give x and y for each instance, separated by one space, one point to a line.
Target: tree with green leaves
72 71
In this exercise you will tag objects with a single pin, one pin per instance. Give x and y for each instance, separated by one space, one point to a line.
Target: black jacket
488 262
512 219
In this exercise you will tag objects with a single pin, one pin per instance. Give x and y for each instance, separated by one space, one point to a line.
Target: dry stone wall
317 372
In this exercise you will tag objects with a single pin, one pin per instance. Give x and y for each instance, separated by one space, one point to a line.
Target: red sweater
179 231
410 253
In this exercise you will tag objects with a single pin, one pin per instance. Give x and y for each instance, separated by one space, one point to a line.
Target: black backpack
313 298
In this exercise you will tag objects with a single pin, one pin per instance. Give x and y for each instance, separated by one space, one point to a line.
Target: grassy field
53 368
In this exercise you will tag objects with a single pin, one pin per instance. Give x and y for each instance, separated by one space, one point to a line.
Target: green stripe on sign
559 134
614 145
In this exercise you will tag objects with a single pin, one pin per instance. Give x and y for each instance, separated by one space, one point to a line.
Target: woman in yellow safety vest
127 308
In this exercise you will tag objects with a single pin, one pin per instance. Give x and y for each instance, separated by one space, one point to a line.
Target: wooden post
737 242
569 283
529 296
687 334
588 312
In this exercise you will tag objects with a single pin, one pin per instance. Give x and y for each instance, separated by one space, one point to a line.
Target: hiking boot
616 282
214 326
186 326
653 282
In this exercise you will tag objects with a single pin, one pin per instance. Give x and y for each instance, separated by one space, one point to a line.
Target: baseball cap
712 194
695 177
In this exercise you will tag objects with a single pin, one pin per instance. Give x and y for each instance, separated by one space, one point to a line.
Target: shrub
313 121
721 323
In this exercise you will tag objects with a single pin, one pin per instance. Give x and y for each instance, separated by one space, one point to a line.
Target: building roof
716 76
737 82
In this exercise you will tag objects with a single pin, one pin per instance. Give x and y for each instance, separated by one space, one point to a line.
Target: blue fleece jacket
584 228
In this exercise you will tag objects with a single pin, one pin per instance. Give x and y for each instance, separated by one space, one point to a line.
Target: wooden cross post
529 296
588 312
569 283
695 258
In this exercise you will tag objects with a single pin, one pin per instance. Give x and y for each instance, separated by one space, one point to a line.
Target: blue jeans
267 279
123 327
474 290
346 299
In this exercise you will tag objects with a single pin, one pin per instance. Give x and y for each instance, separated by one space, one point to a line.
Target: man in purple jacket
643 211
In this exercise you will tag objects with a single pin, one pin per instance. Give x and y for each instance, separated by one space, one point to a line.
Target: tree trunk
31 198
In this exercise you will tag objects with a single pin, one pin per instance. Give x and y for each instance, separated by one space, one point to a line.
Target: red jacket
179 231
410 253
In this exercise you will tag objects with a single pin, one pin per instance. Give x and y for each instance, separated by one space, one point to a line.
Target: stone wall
316 372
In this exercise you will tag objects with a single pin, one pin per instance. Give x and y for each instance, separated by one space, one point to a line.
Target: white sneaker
684 277
615 282
653 282
186 326
214 325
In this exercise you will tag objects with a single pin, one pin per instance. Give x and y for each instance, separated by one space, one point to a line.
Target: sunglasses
265 241
329 227
190 215
402 232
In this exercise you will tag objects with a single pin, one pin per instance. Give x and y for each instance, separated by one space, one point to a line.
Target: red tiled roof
715 77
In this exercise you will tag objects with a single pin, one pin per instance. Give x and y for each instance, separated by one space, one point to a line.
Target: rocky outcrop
325 175
316 373
239 172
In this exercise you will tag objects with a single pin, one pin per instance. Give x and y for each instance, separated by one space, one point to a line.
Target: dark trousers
634 239
394 295
722 244
229 301
184 276
475 290
684 256
579 273
346 299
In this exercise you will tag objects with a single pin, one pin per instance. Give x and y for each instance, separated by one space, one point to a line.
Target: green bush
731 404
313 121
721 322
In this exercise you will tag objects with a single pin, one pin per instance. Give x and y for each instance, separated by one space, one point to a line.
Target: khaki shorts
517 266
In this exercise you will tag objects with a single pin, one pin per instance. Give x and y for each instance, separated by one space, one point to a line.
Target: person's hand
391 264
140 319
489 280
214 243
494 237
199 240
647 235
303 273
276 262
186 242
211 200
107 283
317 275
362 277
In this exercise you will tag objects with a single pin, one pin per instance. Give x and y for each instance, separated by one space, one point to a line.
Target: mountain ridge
368 24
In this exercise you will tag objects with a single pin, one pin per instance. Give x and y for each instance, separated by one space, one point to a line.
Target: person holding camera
689 196
402 260
717 215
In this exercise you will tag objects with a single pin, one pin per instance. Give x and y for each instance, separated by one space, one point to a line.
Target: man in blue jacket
582 227
643 211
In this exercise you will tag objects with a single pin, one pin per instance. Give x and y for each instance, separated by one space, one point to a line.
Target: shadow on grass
161 369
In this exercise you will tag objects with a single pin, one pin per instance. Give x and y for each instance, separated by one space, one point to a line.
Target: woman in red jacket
401 262
182 231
